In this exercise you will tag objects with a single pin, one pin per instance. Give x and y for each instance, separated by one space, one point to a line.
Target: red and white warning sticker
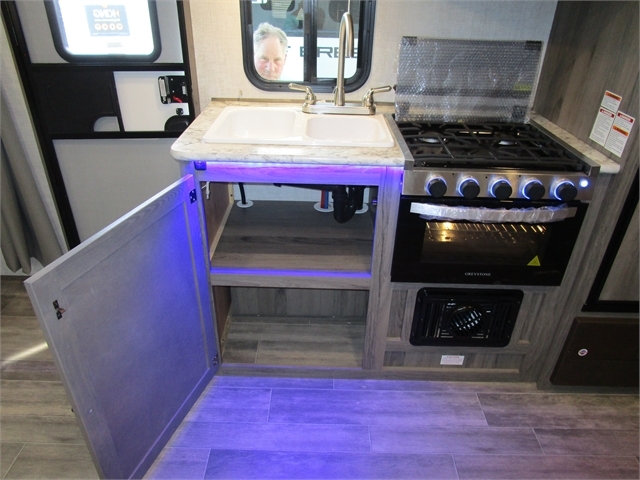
612 128
611 101
602 126
619 134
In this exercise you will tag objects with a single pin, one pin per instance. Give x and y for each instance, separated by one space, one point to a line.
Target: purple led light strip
288 273
296 173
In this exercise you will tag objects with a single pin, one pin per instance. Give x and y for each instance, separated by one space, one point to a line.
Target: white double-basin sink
290 126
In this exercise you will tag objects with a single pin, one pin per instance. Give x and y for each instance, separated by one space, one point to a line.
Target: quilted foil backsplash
442 80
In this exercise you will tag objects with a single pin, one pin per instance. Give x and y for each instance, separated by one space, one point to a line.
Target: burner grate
486 146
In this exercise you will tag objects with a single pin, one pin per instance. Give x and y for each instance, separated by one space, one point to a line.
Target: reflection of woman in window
269 51
295 19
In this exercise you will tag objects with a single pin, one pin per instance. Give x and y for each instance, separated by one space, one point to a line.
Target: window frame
310 78
56 26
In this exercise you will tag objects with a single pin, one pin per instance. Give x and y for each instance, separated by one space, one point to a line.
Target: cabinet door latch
192 195
59 311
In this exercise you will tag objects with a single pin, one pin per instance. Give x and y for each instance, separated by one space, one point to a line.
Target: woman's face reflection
269 58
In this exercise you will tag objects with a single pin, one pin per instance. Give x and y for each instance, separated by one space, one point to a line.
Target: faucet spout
345 49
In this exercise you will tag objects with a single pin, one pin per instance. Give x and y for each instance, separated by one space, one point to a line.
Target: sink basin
290 126
252 124
349 130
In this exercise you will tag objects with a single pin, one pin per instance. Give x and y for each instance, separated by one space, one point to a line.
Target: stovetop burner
431 137
486 146
492 160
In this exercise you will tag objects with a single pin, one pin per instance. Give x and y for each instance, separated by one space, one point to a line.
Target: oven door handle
532 215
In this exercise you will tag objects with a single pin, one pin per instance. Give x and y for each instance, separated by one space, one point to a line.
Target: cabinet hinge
192 195
215 360
59 311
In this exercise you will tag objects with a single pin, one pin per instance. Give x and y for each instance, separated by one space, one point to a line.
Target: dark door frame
27 70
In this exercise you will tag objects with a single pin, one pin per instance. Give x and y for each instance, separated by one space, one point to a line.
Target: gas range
493 160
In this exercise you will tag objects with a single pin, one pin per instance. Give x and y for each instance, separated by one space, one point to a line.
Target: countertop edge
606 164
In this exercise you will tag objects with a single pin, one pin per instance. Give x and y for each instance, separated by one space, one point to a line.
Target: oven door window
472 243
463 251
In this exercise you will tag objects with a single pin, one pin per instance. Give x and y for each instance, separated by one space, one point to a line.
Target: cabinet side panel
622 281
592 48
217 199
396 317
380 294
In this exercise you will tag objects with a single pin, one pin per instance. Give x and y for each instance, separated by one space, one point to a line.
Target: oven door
484 241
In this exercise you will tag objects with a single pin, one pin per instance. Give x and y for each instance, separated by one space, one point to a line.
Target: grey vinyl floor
38 432
261 427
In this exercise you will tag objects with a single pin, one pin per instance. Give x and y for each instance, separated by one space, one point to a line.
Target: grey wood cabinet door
128 318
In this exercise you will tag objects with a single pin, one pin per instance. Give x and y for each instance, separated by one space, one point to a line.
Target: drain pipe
345 203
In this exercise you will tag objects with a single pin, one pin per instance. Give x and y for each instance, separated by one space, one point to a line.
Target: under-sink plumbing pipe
243 203
347 200
324 201
243 196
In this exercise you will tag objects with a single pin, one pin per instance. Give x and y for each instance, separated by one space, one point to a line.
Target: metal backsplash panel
466 80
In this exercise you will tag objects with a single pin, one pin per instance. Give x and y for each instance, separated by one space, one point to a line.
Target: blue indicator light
584 183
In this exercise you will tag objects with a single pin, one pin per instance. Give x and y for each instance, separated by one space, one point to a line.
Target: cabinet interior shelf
284 243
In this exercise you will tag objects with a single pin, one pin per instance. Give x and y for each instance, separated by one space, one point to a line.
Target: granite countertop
606 164
189 146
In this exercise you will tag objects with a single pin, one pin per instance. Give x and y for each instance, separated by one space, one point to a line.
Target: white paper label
619 134
602 126
611 101
452 360
611 128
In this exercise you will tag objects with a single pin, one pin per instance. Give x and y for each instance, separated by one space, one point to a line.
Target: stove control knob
564 190
469 188
501 189
533 190
436 187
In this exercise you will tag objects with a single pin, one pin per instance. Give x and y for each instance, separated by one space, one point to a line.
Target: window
306 27
97 31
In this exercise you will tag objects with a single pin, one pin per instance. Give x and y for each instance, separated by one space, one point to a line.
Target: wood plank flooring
38 431
261 427
248 427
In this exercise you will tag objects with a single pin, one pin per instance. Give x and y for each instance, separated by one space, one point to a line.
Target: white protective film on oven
532 215
442 80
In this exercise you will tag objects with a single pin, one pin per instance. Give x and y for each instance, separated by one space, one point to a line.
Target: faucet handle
367 100
310 99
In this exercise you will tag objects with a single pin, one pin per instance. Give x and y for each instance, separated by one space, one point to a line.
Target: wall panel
218 49
593 47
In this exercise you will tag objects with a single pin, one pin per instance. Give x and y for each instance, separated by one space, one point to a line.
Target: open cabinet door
127 315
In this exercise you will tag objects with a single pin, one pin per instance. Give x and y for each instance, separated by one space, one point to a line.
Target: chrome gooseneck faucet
345 50
339 107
